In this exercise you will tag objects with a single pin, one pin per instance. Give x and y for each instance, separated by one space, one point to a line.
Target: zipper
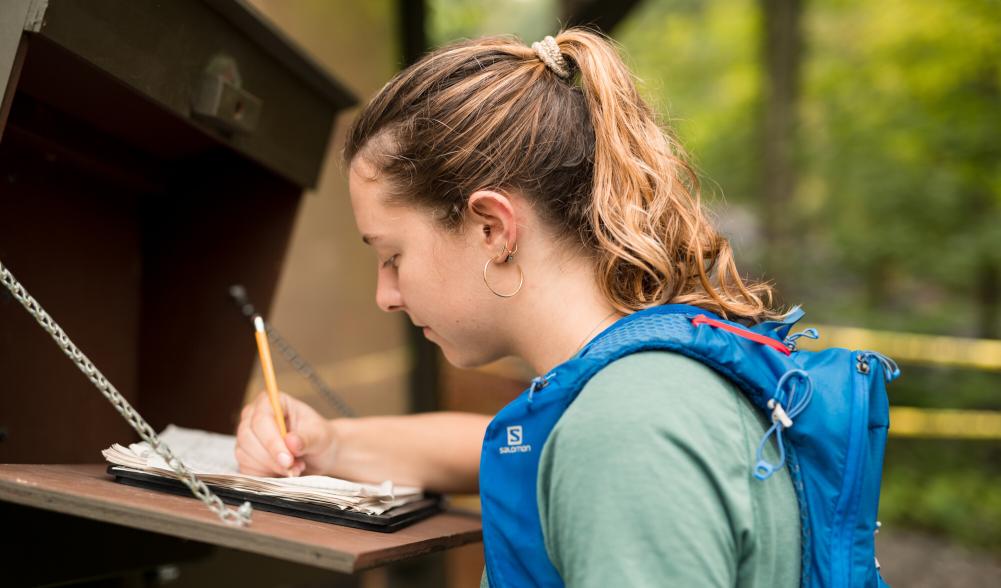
848 506
757 338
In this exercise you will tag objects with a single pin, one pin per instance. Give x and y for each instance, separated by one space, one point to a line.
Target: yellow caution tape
949 423
982 354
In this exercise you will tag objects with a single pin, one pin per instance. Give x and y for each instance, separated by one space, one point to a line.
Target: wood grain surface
87 491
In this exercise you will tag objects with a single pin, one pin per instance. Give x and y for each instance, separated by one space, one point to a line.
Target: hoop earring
508 257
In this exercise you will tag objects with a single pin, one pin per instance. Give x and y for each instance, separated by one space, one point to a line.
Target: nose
387 292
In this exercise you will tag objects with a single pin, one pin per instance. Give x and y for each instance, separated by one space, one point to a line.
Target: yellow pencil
270 382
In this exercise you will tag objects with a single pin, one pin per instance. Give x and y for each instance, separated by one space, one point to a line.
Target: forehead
368 192
364 184
374 215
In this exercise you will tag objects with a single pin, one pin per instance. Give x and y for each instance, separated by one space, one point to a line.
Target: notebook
379 507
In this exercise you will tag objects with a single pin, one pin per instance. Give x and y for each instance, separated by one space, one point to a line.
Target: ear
494 217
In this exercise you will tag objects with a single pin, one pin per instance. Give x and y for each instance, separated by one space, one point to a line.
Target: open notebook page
211 457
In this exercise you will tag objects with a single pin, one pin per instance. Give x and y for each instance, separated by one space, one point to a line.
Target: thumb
307 440
295 443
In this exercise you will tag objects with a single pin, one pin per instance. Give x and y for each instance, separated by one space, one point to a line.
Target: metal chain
239 295
238 516
307 371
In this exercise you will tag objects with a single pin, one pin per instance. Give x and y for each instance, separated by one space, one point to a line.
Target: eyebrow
368 239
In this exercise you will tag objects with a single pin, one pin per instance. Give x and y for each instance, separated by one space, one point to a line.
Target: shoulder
653 415
646 479
656 418
654 393
648 371
651 459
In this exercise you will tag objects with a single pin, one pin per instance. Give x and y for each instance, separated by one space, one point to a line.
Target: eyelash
390 262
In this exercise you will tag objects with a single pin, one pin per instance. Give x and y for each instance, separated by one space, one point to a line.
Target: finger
249 465
309 436
295 443
266 430
299 439
263 400
247 440
286 402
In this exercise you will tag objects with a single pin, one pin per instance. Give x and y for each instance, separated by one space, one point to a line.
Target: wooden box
152 154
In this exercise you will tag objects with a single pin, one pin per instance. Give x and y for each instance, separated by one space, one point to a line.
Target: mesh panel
667 326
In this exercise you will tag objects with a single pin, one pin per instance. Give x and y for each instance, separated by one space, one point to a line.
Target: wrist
338 434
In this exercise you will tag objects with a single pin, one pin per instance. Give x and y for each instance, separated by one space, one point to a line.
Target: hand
308 446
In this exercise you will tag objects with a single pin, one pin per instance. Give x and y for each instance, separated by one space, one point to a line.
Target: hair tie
549 52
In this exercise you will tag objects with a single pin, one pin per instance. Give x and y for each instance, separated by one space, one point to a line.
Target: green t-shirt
646 481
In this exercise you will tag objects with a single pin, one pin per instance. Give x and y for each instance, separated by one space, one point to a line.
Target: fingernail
284 459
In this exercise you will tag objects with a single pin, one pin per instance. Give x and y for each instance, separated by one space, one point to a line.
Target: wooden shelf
87 491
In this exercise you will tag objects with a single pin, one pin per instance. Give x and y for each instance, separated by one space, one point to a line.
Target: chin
468 359
463 362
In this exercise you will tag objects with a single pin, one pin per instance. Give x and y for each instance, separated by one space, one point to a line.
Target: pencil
270 382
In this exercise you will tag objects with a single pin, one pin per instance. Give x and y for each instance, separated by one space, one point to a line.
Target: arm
437 451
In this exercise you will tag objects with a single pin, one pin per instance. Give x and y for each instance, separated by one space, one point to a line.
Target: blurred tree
781 56
604 15
905 156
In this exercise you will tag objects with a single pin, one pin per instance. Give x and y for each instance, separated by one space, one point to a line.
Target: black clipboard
393 519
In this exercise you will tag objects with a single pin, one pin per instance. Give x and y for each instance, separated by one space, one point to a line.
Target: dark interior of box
128 224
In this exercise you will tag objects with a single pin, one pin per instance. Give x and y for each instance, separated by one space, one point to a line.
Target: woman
522 200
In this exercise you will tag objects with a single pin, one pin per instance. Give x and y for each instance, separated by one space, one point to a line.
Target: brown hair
587 151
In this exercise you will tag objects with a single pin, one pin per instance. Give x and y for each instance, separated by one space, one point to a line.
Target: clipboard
392 520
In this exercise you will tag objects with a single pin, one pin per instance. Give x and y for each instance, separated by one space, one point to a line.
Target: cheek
440 280
452 276
446 297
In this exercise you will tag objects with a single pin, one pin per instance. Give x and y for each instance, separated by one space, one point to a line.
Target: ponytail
654 242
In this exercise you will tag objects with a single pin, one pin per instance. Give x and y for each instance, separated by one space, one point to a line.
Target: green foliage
698 66
530 20
898 204
926 486
901 112
940 387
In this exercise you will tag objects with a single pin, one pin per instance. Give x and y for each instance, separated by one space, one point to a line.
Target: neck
558 319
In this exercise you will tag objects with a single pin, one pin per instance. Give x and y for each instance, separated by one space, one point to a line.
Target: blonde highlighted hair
587 151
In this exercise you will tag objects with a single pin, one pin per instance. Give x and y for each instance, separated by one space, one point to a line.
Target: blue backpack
829 415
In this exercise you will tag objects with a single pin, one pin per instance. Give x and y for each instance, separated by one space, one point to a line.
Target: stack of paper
211 457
